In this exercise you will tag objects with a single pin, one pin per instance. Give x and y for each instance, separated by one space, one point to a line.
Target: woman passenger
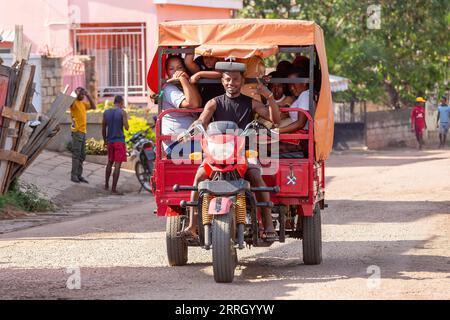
178 93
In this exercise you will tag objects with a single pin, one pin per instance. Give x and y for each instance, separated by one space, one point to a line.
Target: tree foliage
407 56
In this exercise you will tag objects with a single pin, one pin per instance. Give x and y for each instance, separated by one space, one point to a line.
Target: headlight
221 151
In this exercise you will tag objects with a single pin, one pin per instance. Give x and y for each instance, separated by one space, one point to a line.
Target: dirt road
389 215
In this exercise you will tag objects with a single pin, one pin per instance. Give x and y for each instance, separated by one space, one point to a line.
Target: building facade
119 35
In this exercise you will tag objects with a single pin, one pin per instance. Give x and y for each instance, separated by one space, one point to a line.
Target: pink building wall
47 22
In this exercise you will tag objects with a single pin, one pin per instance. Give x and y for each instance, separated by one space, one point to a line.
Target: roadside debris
24 133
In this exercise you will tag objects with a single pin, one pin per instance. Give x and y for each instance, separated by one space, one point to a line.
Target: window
109 44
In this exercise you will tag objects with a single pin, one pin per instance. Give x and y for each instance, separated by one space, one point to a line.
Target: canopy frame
309 50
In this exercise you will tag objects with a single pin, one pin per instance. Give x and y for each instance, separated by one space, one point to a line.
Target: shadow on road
343 212
379 161
283 275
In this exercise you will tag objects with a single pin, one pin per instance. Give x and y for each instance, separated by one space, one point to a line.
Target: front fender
220 206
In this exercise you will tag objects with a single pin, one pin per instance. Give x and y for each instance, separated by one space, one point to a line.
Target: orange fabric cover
243 38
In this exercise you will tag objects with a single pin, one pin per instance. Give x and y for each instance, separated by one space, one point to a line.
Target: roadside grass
26 197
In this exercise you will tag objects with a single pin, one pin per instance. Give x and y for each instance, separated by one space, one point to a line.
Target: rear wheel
223 248
143 176
177 248
312 238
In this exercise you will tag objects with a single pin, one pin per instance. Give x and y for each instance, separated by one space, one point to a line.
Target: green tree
405 57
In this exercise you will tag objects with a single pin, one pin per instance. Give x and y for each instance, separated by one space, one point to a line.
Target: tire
312 238
223 250
143 177
177 248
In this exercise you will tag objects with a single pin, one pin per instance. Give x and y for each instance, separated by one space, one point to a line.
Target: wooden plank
26 130
7 77
18 115
13 156
12 133
44 133
20 128
21 169
21 49
9 143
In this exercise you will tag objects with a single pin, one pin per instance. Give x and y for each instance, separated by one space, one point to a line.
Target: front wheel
312 238
143 176
223 249
177 248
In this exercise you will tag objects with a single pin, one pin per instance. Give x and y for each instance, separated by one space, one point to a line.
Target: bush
138 124
95 148
106 105
26 197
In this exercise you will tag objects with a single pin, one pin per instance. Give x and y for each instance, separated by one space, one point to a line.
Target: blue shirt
443 114
114 125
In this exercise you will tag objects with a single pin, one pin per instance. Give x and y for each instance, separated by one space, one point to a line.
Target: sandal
270 236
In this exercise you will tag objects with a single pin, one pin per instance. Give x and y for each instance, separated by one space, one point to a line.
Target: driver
236 107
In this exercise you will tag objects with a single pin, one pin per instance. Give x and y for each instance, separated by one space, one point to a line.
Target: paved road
389 214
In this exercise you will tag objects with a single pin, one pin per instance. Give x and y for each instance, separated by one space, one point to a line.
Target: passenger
297 122
255 68
278 90
283 101
283 68
301 62
300 91
178 93
204 68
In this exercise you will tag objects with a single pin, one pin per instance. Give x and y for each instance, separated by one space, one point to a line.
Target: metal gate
112 46
350 124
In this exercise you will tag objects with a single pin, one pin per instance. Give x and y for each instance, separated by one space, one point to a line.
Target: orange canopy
244 38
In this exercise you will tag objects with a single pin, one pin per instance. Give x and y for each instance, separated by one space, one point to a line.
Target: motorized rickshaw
297 187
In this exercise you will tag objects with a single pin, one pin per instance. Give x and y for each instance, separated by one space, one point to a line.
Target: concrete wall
51 81
393 129
94 128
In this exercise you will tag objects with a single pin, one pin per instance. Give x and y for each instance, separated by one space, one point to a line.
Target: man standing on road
443 121
114 122
418 124
78 112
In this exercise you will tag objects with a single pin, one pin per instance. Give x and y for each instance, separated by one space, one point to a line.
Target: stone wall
392 128
94 127
51 80
90 75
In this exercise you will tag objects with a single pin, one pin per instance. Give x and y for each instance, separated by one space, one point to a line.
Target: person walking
115 121
418 123
443 121
78 112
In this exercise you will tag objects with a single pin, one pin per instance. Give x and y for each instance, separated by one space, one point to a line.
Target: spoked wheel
312 238
177 248
223 248
143 176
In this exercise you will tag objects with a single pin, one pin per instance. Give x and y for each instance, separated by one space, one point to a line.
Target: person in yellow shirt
78 112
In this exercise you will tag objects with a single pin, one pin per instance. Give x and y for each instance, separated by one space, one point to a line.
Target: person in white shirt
298 122
301 92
